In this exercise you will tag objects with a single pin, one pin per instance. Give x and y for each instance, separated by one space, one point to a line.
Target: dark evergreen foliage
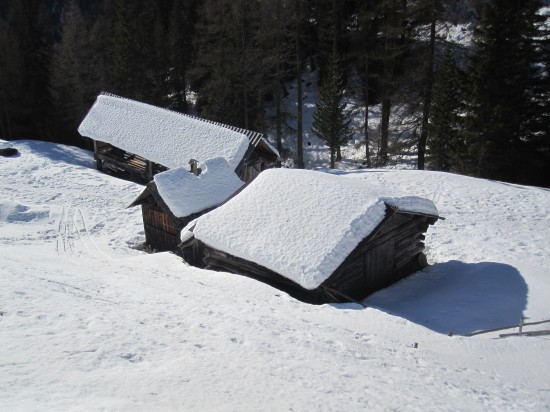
235 58
445 146
28 33
74 73
502 112
331 121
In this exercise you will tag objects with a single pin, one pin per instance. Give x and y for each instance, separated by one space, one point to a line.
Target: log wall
161 233
390 254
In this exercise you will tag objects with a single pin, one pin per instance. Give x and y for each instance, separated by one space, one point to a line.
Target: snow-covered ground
90 322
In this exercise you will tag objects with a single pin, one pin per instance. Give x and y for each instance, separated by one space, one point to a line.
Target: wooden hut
319 237
137 140
176 197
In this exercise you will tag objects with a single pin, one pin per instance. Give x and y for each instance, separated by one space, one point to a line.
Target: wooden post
149 169
520 326
98 162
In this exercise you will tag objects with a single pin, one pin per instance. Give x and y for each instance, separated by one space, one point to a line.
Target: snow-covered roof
161 135
185 194
301 224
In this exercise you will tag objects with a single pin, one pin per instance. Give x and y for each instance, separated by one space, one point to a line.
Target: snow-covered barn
175 197
140 140
320 237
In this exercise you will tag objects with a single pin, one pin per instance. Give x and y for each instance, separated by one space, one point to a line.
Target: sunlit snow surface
185 193
162 136
89 322
300 223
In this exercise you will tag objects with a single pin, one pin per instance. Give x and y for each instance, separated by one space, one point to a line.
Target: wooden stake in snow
520 326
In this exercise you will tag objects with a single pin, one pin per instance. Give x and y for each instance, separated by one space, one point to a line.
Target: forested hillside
465 80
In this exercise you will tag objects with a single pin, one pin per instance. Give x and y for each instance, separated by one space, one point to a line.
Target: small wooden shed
162 227
138 140
176 197
324 239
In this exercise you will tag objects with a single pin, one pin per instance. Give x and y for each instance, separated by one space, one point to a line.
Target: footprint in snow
131 357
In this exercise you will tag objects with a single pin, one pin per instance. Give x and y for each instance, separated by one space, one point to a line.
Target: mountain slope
90 322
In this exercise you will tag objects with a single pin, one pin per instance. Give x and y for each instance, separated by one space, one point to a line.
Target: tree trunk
427 94
278 82
9 134
387 78
366 98
299 131
243 66
385 130
278 119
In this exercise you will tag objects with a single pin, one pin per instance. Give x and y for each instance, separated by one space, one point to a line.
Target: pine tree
136 56
121 73
10 83
276 41
503 78
26 97
538 146
74 73
363 42
226 72
393 43
331 122
444 139
434 8
181 29
299 91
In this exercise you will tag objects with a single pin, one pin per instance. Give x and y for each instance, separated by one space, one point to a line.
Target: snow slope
89 322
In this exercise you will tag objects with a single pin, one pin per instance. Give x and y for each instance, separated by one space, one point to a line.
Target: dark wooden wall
161 233
394 251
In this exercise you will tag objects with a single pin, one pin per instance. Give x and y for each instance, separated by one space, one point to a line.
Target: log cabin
177 196
137 140
319 237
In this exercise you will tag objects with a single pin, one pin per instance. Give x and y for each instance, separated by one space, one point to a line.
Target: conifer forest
479 108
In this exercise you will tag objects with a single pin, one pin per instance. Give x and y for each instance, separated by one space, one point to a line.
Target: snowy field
90 322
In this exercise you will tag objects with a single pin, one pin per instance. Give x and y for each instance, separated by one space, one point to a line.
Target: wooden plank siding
160 231
389 254
162 227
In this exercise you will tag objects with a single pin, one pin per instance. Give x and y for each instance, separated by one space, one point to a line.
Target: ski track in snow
87 322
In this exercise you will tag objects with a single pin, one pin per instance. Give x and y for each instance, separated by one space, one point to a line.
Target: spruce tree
363 41
444 139
10 80
276 42
331 121
503 77
74 73
180 44
226 72
299 92
433 8
136 54
393 42
27 98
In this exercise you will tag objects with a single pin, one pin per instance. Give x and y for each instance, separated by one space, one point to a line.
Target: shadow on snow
55 152
457 297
